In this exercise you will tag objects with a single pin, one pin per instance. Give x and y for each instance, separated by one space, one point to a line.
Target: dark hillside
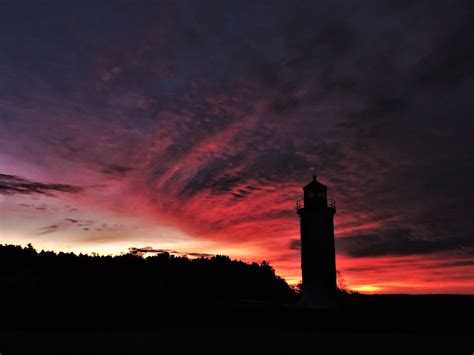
45 290
162 277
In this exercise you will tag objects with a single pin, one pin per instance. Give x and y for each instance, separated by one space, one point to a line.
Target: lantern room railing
331 203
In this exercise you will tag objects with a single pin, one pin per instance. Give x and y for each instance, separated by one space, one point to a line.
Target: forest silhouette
48 290
163 276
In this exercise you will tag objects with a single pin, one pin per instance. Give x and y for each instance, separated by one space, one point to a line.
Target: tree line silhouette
131 276
44 289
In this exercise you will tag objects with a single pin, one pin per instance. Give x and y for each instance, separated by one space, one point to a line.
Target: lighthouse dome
315 186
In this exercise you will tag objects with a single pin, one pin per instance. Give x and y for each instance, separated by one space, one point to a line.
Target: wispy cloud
10 184
151 250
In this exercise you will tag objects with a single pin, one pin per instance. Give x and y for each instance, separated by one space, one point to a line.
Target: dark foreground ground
394 324
227 341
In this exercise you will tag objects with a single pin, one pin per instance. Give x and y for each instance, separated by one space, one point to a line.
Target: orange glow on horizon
225 225
367 289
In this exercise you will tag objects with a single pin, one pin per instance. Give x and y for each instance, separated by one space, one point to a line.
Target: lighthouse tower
318 259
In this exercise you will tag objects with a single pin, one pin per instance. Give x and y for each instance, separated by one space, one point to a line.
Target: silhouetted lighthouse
318 259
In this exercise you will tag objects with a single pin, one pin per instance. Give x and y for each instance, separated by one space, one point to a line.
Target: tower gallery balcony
330 203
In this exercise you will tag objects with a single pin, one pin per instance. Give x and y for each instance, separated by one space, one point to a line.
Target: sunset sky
191 126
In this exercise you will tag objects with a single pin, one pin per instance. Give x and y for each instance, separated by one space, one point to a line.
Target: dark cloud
48 229
200 255
10 184
84 225
400 242
456 263
295 244
117 170
146 250
450 62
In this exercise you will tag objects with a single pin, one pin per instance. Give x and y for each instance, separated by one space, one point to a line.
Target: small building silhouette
318 259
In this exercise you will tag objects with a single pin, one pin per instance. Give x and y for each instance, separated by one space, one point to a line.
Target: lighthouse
318 259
